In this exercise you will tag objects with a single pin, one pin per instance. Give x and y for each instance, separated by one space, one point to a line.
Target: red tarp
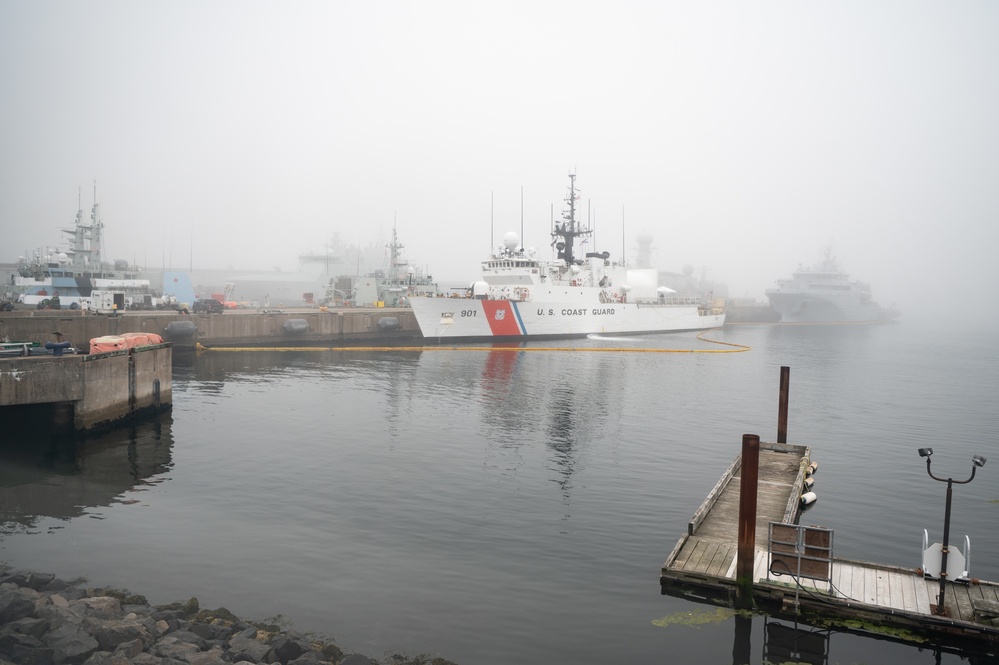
123 341
107 343
134 339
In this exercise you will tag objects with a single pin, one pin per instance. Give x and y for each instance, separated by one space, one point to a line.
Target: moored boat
520 296
57 279
824 293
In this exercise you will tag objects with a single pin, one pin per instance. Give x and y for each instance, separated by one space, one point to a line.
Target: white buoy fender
809 482
807 498
812 468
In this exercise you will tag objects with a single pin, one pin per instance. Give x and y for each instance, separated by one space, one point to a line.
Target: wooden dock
707 552
703 565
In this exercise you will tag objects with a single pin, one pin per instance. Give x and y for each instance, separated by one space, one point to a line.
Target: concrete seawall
87 393
290 327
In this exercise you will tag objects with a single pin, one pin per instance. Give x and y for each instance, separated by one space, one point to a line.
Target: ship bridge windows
829 287
508 264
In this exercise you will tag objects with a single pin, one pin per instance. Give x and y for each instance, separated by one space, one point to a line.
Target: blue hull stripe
520 321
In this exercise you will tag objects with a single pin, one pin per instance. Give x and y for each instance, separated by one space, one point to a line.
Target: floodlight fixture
977 461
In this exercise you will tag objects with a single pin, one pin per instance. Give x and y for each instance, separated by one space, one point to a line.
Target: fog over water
743 137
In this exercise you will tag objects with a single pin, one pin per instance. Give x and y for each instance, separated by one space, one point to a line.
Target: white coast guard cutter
520 297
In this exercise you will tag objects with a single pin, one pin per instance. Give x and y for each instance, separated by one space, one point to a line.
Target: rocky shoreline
48 621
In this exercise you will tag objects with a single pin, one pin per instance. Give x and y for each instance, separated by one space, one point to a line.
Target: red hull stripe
501 317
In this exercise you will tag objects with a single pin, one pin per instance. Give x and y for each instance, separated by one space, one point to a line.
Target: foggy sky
744 137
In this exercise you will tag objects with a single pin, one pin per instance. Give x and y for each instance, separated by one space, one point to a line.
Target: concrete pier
87 393
287 327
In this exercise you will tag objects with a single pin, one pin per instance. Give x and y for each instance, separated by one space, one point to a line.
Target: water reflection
793 643
796 639
827 345
62 478
565 395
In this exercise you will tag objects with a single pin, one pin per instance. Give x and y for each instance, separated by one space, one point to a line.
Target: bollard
747 520
785 379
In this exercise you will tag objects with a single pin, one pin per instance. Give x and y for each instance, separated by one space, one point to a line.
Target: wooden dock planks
709 548
777 473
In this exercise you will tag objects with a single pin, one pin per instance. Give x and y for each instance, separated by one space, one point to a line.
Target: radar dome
62 258
511 240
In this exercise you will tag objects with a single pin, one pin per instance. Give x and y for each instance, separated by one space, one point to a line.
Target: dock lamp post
977 461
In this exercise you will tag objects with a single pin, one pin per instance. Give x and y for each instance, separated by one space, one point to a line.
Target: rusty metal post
785 380
746 555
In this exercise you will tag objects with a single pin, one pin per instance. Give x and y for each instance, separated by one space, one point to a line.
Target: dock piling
746 552
785 380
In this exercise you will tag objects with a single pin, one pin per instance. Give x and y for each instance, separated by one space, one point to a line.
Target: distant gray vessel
825 294
67 278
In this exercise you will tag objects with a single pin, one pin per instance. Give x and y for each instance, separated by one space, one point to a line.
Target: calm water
497 507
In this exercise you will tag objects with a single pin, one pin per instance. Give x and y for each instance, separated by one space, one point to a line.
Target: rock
129 649
167 615
310 657
191 607
14 606
356 659
70 643
27 626
23 655
287 647
214 656
39 581
248 649
101 607
58 616
331 653
204 630
171 647
190 638
146 658
109 634
47 621
11 639
55 585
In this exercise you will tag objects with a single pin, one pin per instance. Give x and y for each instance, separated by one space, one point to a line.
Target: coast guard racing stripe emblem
502 318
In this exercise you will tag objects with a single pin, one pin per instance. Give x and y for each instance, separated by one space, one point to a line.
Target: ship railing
674 301
611 297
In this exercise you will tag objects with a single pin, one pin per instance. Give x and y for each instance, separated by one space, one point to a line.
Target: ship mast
86 247
566 232
96 235
394 253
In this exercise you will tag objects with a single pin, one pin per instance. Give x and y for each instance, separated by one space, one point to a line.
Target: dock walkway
703 563
707 551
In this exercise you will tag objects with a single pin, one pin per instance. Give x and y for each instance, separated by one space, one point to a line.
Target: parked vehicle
207 306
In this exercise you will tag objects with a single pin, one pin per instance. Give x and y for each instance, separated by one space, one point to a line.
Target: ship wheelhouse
515 270
511 264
